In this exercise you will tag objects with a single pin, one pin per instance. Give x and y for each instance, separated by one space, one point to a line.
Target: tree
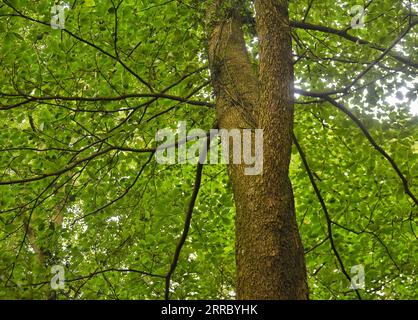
83 99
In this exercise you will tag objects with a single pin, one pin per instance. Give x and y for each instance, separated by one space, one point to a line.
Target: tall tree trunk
269 252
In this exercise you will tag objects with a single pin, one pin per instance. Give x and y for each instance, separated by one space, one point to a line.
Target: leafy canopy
79 109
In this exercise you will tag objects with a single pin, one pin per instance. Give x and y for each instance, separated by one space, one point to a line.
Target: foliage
76 135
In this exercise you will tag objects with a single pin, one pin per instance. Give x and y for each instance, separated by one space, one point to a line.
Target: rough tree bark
269 252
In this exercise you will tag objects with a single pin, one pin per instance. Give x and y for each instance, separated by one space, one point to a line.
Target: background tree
80 186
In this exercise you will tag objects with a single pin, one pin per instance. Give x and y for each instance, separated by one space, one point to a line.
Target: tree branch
375 145
72 165
325 209
344 34
21 15
188 220
102 99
